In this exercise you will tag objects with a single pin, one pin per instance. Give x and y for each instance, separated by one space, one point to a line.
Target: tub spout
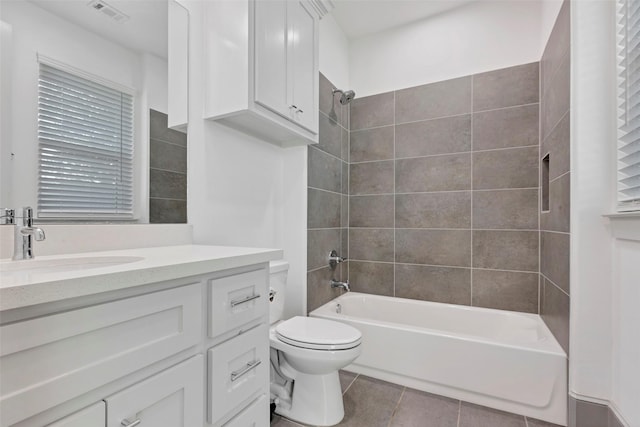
343 285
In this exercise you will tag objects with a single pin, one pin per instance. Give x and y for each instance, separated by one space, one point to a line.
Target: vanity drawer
254 415
48 360
238 372
93 416
237 300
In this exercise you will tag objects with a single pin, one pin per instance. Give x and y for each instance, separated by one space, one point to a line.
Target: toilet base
316 400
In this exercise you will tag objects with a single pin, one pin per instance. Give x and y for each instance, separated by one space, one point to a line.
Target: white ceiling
359 18
145 31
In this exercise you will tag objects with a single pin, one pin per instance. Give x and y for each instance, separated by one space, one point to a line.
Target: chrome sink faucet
24 235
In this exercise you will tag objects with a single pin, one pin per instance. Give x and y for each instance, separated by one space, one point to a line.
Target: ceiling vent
108 10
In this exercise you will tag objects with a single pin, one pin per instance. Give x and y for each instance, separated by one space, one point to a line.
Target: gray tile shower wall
554 142
444 187
167 172
328 182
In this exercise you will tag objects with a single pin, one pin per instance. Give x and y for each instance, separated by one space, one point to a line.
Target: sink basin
64 264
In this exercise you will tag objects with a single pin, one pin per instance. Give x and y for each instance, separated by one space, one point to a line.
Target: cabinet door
93 416
303 33
172 398
271 55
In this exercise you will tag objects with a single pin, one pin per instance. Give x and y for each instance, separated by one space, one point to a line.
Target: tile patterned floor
373 403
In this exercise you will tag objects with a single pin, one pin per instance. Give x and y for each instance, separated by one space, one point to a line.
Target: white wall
592 138
549 10
477 37
36 31
6 165
625 393
605 270
334 53
239 185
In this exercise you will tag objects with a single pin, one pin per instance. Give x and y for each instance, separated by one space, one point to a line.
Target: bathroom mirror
140 46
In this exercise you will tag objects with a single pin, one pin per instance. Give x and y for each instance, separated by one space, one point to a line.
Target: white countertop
26 288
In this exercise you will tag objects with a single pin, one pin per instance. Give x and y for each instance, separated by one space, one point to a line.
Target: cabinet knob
294 107
127 423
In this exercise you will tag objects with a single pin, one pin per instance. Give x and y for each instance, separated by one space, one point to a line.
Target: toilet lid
318 334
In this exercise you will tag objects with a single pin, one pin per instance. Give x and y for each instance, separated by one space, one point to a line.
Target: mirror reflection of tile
167 172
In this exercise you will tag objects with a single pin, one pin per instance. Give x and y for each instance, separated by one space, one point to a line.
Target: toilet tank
278 271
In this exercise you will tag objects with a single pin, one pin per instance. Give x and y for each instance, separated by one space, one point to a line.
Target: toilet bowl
306 355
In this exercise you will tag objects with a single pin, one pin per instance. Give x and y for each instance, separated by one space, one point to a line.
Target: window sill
625 226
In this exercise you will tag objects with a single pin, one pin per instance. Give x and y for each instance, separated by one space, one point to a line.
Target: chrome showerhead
346 96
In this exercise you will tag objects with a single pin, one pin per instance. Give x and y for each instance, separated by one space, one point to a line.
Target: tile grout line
567 233
330 119
454 229
348 190
471 202
459 411
326 191
441 117
556 285
326 152
393 413
394 197
550 131
350 384
564 56
540 142
443 266
453 153
333 273
163 141
559 176
543 138
435 192
168 170
167 198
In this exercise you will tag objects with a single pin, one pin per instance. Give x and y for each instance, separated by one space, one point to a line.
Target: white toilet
306 354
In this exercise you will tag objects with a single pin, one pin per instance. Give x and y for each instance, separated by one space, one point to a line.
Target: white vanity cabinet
238 367
262 68
184 352
172 398
93 416
48 360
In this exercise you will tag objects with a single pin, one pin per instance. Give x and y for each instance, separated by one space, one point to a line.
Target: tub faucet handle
335 259
343 285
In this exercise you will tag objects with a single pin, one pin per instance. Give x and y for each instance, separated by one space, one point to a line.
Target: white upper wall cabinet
262 68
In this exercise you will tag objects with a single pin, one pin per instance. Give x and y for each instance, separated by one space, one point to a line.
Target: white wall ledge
625 226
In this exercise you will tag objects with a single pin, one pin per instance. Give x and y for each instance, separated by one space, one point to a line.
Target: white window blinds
85 132
629 105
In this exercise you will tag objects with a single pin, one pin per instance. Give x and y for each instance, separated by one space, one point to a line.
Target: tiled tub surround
369 402
443 200
328 174
555 142
167 172
501 359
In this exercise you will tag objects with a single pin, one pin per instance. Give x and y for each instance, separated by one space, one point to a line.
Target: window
85 133
629 105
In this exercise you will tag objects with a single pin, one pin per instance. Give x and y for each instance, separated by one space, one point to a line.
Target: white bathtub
501 359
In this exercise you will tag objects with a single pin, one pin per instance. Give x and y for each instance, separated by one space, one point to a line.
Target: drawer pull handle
244 300
127 423
251 365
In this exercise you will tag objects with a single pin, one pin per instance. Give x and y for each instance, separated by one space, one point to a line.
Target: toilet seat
318 334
